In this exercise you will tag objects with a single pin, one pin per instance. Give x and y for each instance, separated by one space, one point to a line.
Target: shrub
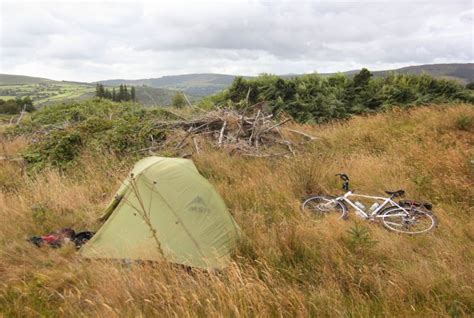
57 149
60 132
314 98
464 122
15 106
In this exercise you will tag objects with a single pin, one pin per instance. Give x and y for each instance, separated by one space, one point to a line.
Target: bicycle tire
394 220
313 205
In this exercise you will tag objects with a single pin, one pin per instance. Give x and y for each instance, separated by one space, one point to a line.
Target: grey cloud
147 39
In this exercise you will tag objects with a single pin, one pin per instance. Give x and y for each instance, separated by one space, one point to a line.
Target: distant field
44 94
47 93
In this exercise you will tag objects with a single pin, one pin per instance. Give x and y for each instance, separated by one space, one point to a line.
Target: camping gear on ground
165 210
60 237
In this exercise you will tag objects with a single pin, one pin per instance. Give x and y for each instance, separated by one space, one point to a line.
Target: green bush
314 98
57 149
60 132
464 122
15 106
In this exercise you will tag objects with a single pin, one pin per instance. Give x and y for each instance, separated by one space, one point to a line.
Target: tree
97 90
470 86
16 106
132 94
178 100
114 95
28 104
121 94
107 94
362 78
126 95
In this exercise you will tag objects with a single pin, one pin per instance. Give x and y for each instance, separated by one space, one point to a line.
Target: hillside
290 264
193 84
153 96
46 92
463 73
8 79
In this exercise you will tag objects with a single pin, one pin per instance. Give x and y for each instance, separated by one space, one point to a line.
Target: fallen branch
276 125
196 145
221 136
265 155
301 133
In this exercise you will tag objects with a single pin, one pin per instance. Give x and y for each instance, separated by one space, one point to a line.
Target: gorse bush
60 132
57 148
314 98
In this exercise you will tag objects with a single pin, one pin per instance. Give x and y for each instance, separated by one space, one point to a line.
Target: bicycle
406 216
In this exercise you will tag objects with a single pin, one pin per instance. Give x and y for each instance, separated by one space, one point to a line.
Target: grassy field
289 264
44 94
47 93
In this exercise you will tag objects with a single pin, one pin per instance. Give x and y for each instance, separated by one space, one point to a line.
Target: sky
97 40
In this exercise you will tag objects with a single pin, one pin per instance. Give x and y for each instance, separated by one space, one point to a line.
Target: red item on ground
51 238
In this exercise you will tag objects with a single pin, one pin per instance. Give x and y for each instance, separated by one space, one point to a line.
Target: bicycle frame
373 214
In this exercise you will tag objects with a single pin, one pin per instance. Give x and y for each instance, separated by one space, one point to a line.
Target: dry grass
290 264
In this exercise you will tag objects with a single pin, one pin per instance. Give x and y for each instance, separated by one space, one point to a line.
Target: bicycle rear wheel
321 206
409 220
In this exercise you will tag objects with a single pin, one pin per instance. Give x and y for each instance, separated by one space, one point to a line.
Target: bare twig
265 155
186 98
301 133
196 146
276 125
221 136
23 111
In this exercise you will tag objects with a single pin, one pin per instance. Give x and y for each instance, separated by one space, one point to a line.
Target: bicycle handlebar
345 178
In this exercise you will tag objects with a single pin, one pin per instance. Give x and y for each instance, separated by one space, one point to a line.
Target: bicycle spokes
412 221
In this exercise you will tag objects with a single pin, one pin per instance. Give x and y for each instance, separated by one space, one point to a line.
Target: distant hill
7 79
154 96
193 84
460 72
463 73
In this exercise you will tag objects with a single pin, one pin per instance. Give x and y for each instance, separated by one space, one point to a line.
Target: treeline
315 98
122 95
16 106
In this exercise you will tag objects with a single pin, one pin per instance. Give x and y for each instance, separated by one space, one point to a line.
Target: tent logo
198 205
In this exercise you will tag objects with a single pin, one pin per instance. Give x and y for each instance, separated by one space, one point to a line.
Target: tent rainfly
165 210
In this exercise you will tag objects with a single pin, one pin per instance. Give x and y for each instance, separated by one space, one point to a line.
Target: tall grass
289 263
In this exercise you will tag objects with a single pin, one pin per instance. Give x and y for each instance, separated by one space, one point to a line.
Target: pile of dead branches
254 133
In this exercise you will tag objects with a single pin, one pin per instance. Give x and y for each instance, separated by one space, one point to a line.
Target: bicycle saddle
398 193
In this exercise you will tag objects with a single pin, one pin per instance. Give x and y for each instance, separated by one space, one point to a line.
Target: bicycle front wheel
321 206
410 220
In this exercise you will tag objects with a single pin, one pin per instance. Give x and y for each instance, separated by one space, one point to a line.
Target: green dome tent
166 210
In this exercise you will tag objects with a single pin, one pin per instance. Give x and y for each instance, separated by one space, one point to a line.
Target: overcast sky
95 40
